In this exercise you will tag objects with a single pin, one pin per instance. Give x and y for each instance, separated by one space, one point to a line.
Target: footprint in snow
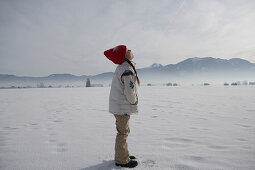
149 163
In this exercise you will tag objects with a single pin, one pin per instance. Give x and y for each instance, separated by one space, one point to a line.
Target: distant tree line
89 84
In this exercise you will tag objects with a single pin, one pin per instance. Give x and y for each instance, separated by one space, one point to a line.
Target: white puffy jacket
123 96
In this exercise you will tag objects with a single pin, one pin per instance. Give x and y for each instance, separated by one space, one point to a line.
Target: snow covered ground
182 128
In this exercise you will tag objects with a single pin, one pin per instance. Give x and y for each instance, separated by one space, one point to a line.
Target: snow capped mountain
213 64
196 59
197 69
190 67
156 65
62 76
239 62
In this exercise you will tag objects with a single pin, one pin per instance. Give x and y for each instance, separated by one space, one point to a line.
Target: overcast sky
42 37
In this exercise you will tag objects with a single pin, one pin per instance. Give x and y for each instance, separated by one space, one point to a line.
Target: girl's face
129 55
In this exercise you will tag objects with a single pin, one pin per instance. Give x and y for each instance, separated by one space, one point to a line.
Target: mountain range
190 70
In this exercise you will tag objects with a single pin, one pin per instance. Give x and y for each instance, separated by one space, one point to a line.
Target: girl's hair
129 62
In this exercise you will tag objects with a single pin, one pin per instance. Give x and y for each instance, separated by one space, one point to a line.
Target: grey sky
42 37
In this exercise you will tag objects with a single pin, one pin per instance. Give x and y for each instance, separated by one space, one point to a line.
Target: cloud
45 37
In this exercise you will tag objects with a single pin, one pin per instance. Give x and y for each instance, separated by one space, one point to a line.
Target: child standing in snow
123 100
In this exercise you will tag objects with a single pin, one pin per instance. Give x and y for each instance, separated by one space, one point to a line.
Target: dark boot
130 164
132 157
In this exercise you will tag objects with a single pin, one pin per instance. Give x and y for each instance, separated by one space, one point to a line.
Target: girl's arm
128 79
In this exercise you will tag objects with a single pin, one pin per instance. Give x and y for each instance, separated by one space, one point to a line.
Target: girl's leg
121 146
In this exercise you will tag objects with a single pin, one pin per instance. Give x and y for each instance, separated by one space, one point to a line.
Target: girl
123 101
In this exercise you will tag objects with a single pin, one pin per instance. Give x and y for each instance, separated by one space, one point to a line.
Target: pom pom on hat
117 54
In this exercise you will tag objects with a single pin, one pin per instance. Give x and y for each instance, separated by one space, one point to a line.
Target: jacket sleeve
128 79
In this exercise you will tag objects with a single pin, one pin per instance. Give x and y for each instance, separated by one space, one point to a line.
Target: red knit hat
116 54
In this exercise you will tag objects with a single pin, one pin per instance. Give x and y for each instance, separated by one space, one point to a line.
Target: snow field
191 127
